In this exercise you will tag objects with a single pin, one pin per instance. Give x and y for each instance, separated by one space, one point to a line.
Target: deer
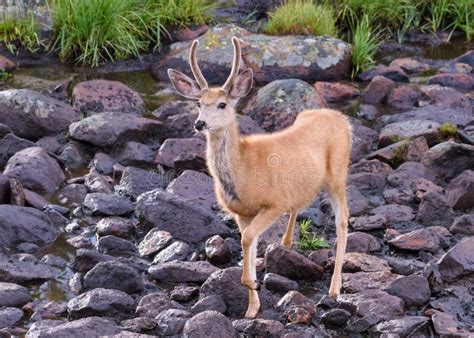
258 178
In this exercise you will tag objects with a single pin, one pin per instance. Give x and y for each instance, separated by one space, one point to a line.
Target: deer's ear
184 85
242 84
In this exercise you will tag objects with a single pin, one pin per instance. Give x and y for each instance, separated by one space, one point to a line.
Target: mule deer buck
258 178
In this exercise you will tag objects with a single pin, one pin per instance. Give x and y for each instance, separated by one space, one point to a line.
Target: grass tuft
25 32
447 130
308 240
301 17
184 12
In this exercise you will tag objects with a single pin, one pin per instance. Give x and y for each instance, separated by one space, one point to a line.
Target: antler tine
235 65
195 67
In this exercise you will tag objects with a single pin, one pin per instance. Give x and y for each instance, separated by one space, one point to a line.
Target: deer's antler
235 65
195 67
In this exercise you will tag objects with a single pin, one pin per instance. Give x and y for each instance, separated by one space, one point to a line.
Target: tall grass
462 15
25 32
184 12
301 17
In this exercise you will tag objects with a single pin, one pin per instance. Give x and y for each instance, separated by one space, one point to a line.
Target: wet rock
407 130
335 318
108 204
190 150
259 327
277 104
195 187
467 58
154 241
171 321
6 64
111 129
410 66
13 295
10 316
336 91
184 221
49 310
87 259
88 327
15 269
23 224
226 284
135 181
291 264
213 323
136 154
463 225
417 240
374 301
98 96
35 169
279 283
392 72
211 302
153 304
101 302
414 290
455 80
32 115
184 293
177 251
113 275
403 97
113 245
460 191
356 201
361 242
458 261
394 213
320 58
434 210
378 89
356 261
403 327
116 226
450 159
217 250
10 144
182 272
362 281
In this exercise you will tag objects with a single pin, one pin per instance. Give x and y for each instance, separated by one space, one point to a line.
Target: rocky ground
109 224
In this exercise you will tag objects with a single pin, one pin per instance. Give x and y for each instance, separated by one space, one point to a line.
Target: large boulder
35 169
308 58
111 129
181 219
276 105
32 115
458 261
113 275
25 225
13 295
15 269
460 192
98 96
10 144
195 187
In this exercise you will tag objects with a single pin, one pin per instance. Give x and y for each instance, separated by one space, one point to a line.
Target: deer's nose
199 125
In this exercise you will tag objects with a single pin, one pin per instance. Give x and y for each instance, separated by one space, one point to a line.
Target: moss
399 153
447 130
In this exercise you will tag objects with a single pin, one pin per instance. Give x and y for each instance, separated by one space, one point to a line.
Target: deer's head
216 105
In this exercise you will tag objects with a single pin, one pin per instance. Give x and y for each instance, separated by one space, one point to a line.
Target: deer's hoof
251 284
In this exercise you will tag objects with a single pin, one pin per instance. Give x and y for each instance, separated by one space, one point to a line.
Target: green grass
308 240
462 16
184 12
25 32
365 40
4 75
447 130
301 17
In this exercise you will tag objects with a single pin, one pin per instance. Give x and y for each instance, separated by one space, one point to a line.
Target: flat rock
176 251
394 213
12 294
362 281
108 204
455 80
357 261
32 115
463 225
154 241
414 290
113 275
182 272
361 242
111 129
458 261
16 270
410 65
408 129
98 96
392 72
336 91
87 327
368 223
35 170
114 245
417 240
136 154
278 283
312 58
174 151
259 327
152 304
408 172
116 226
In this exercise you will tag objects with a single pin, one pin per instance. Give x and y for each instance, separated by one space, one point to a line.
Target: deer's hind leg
287 240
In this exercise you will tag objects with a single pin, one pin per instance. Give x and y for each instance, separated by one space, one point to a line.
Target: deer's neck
223 154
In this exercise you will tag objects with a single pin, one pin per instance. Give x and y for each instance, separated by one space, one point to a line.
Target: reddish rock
378 89
98 96
361 242
294 299
444 97
218 250
460 191
421 186
6 64
362 281
368 223
184 33
410 66
414 290
458 261
380 303
392 72
456 80
416 149
336 91
434 210
446 325
417 240
356 261
403 97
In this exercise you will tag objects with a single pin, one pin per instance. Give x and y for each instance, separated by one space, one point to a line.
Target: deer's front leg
249 247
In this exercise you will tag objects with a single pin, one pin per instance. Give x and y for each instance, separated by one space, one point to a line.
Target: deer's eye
221 105
198 104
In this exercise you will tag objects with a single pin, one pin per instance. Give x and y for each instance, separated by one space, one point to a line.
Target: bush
301 17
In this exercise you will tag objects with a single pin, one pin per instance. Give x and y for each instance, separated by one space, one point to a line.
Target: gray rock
208 324
171 321
108 204
364 140
116 226
393 72
22 224
13 295
417 240
35 169
414 290
9 317
153 304
136 154
212 302
458 261
111 129
404 266
184 221
32 115
378 89
177 251
393 132
318 57
182 293
217 250
259 327
116 246
460 191
356 201
154 241
405 174
114 275
135 181
14 269
277 104
277 283
394 213
335 318
74 193
362 281
434 210
403 327
463 225
10 144
134 325
86 327
368 223
362 242
176 151
195 187
87 259
182 272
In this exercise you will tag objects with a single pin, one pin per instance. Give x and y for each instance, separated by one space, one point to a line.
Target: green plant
399 152
447 130
462 14
184 12
301 17
365 40
308 240
4 75
438 10
24 31
89 32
